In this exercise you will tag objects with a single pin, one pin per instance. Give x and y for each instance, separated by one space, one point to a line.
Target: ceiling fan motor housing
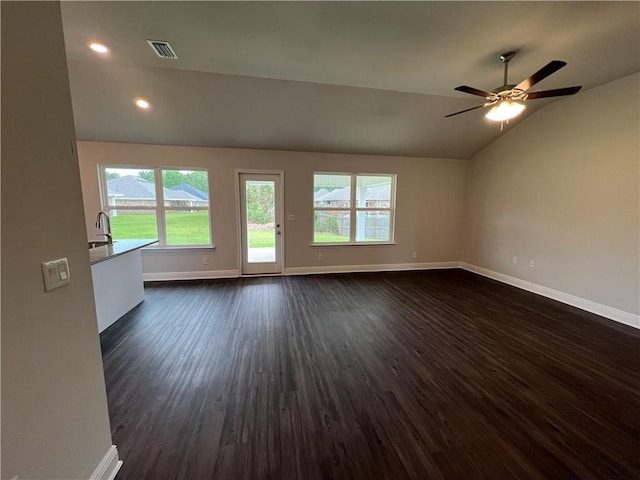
508 92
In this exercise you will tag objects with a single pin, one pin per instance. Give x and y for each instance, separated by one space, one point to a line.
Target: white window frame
353 210
159 209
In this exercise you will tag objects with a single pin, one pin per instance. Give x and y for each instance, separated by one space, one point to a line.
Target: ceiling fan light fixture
505 110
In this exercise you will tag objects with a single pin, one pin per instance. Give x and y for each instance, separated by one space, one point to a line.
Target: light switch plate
55 274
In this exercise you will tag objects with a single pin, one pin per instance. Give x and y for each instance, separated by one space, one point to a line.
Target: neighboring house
375 225
319 194
339 197
192 191
374 196
378 196
131 191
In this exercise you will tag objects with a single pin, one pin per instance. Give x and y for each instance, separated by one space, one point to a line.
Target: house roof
378 192
131 186
192 191
335 195
319 194
375 192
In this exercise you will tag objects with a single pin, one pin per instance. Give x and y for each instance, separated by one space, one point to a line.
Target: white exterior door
261 223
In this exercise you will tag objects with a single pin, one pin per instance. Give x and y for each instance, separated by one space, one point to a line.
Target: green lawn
183 228
264 239
329 238
192 228
134 226
261 239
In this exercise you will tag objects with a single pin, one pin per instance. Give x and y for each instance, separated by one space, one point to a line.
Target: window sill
351 244
181 248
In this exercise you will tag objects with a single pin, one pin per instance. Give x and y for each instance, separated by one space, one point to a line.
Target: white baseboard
390 267
108 466
199 275
593 307
584 304
204 275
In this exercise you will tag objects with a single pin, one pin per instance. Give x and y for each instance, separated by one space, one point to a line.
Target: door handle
278 232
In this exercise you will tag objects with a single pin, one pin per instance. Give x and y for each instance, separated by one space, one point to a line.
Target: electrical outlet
414 255
532 264
205 260
320 258
515 260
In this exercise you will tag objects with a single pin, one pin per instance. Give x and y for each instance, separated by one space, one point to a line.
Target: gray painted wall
54 408
429 202
562 189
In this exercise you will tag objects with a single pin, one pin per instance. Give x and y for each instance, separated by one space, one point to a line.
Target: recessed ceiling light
98 48
142 103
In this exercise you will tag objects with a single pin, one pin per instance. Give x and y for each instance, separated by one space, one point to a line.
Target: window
353 208
169 204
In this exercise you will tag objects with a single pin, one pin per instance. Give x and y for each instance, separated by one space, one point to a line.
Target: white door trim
248 171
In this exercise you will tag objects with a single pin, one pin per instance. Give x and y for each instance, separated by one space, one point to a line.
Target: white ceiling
355 77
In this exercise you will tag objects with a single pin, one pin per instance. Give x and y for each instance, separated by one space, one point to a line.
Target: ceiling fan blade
541 74
473 91
559 92
463 111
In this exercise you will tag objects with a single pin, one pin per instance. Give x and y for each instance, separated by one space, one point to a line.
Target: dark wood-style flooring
420 375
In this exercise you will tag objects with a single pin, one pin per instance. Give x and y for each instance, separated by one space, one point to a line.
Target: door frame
280 198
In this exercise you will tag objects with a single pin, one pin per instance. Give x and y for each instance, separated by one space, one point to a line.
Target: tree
146 174
171 178
198 179
112 175
260 204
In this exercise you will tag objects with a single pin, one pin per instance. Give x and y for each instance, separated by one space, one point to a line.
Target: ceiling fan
507 100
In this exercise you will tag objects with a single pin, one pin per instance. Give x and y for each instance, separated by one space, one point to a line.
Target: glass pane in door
261 226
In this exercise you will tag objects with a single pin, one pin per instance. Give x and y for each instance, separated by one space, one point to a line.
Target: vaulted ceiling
352 77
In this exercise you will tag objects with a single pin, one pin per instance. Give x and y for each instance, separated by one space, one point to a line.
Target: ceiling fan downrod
506 58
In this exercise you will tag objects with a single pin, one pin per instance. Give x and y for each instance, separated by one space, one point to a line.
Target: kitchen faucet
108 225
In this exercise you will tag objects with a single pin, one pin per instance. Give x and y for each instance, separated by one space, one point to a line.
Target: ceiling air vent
162 49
